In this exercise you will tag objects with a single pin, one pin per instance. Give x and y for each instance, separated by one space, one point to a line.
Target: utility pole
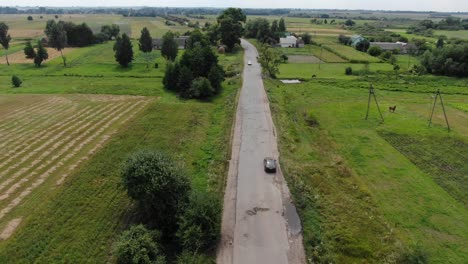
438 94
372 94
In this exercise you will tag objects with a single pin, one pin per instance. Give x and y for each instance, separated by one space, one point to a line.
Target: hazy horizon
396 5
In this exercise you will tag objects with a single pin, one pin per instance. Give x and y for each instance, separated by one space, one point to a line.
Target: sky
413 5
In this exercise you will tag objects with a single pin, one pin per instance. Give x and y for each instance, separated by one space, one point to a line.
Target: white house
288 42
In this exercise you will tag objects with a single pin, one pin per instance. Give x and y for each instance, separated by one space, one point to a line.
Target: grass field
61 194
363 188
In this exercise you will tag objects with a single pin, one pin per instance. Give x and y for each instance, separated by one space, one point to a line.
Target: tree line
426 27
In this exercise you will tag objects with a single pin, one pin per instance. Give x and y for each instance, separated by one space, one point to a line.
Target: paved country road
260 225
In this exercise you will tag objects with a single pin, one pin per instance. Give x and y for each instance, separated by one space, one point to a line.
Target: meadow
77 206
370 190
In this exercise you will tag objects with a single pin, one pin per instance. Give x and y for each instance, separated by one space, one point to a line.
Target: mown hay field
46 139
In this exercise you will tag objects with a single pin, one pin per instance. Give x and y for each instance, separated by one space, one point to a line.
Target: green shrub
374 51
349 71
156 183
199 224
138 245
16 81
201 88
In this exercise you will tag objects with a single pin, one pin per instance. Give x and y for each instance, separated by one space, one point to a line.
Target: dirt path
260 224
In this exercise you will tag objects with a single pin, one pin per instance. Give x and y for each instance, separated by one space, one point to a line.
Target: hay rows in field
58 149
24 131
49 149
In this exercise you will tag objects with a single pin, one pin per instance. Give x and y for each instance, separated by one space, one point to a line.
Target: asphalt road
260 225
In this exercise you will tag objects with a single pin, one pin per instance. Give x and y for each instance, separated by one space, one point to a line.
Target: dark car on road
269 164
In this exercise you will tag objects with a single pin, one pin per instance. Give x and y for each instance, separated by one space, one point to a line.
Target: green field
371 191
80 220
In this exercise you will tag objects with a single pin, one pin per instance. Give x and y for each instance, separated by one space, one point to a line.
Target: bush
374 51
138 245
199 224
349 71
201 88
16 81
154 181
386 55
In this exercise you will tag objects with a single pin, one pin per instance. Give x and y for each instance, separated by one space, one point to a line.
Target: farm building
402 47
291 42
181 42
288 42
356 39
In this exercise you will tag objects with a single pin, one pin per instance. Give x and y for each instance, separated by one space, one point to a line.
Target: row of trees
450 60
171 213
261 29
426 27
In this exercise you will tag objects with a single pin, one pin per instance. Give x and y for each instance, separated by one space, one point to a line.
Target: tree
350 23
138 245
16 81
57 37
282 25
145 44
363 45
154 181
216 77
112 31
5 39
230 26
374 51
199 224
440 43
171 76
78 35
41 54
169 48
274 26
307 38
123 50
185 81
230 32
236 14
30 18
270 59
200 88
29 51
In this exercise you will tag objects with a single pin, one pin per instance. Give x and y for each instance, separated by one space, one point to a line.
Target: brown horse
392 109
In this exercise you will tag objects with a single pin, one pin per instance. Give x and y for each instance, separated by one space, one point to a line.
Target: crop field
45 140
315 51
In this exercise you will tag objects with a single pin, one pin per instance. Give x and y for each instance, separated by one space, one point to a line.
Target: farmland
366 190
68 130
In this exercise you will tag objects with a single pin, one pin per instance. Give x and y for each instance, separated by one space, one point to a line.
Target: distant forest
158 11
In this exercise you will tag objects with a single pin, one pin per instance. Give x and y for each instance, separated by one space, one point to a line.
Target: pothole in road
255 210
291 216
